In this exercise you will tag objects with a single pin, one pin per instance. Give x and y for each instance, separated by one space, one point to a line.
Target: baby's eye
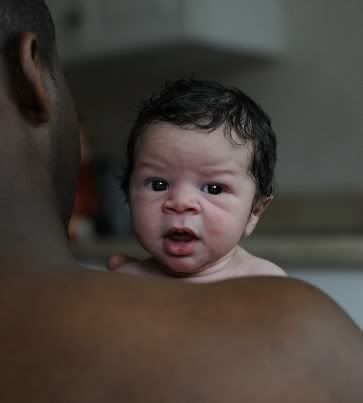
157 185
213 188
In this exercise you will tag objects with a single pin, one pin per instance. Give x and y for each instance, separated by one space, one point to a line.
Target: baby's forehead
166 143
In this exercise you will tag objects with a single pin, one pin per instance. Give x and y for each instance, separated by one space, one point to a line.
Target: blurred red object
81 225
86 197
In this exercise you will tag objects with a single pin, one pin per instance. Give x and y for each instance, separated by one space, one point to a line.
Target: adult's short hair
17 16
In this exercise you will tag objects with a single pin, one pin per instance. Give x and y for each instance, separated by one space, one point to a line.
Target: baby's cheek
140 218
216 229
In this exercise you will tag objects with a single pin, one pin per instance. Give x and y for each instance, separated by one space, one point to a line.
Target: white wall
313 92
314 96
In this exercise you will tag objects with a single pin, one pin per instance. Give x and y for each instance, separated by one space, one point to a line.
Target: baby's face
191 196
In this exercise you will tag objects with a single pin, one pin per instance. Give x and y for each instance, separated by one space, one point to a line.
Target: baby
200 172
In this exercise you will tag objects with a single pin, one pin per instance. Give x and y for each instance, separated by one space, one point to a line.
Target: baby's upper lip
180 230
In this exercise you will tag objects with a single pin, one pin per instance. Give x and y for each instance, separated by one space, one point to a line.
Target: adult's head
39 130
206 106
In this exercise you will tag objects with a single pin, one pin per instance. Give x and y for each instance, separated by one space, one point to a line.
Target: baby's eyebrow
149 165
213 171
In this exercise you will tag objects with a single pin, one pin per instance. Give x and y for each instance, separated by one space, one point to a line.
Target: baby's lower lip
175 247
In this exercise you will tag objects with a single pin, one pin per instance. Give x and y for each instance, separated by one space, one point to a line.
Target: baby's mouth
179 242
181 235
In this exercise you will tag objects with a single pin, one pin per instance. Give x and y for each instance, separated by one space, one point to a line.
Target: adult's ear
259 208
31 80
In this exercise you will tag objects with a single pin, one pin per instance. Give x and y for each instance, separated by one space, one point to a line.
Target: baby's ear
258 209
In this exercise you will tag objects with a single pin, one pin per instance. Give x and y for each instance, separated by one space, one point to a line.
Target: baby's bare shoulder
260 267
264 267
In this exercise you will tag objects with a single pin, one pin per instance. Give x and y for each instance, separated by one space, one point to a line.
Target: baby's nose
181 201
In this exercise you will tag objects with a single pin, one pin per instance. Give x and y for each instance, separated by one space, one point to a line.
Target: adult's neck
32 228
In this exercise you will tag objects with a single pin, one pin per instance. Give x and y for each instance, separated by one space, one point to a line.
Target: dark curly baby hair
207 105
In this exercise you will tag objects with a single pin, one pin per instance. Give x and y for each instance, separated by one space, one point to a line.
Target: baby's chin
179 266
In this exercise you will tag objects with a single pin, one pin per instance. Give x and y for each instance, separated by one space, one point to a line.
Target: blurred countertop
315 229
330 250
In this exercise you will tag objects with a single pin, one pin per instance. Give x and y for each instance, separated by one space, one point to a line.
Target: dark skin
75 335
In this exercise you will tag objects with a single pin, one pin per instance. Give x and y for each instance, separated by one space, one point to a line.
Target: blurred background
302 61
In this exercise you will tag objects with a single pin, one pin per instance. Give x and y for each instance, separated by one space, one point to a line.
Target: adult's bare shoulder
300 343
92 337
